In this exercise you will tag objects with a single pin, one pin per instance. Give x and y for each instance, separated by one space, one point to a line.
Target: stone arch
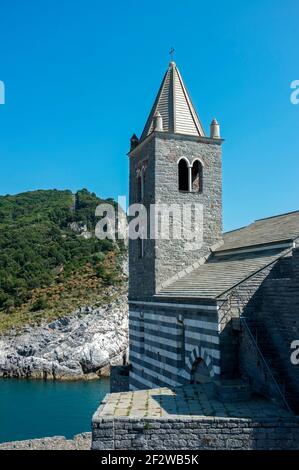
197 159
199 353
183 174
197 175
186 160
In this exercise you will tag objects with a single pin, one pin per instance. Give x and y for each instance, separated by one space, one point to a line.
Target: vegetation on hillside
47 268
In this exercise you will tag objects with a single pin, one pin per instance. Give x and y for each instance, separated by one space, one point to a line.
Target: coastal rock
79 442
74 347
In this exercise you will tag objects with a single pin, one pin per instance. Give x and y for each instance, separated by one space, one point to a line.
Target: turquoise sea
35 408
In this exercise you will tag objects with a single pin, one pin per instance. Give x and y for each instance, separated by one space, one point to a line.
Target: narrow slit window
140 247
139 189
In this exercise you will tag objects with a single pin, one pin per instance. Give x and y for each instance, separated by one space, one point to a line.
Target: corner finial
134 141
215 129
158 122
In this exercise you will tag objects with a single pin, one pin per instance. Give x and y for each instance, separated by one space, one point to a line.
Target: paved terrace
191 400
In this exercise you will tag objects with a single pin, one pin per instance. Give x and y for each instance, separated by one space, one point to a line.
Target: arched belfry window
197 176
183 175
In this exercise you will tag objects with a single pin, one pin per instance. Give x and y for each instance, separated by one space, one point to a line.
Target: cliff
79 346
63 307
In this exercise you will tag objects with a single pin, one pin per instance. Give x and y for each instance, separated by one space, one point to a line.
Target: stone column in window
189 178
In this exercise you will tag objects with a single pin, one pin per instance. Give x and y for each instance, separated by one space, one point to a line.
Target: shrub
39 304
36 239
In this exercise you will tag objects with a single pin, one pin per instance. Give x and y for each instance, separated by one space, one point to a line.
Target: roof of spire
174 104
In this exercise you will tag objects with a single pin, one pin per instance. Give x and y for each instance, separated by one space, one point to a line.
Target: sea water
36 408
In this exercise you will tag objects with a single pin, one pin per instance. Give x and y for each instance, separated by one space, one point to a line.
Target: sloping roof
174 104
280 228
220 274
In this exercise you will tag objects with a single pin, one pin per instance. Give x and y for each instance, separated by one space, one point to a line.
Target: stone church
228 311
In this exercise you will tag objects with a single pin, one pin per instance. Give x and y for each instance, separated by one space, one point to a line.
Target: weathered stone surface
75 347
79 442
119 378
185 403
165 258
253 424
269 303
207 433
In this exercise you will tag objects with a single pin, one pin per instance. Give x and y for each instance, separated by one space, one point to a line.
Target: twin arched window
190 176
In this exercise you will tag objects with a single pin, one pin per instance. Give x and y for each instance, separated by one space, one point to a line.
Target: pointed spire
173 107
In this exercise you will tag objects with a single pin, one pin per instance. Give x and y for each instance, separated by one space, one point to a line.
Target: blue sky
81 77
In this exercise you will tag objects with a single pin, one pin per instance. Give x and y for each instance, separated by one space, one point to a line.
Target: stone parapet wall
195 433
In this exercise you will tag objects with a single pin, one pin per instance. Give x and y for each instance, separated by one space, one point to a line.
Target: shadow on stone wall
272 316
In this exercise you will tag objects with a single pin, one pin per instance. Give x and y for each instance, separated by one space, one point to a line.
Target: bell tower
173 164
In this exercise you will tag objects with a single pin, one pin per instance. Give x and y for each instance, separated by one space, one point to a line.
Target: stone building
223 307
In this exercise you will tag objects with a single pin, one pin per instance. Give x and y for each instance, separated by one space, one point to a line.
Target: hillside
50 261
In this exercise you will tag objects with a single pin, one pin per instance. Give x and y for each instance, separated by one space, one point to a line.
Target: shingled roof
174 104
219 274
273 230
244 252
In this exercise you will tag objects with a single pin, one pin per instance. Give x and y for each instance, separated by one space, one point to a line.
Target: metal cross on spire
171 53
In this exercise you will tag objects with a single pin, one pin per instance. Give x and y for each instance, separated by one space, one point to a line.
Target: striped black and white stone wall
166 339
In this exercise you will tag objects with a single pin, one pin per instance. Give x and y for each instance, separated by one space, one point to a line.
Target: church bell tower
173 163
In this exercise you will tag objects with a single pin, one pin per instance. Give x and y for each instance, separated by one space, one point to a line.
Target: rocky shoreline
79 442
81 346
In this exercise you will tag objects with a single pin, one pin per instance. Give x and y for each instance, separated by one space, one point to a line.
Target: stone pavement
190 400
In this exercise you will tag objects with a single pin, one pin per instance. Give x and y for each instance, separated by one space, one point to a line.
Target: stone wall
159 156
119 378
269 301
142 270
243 299
195 433
172 255
278 325
252 367
165 341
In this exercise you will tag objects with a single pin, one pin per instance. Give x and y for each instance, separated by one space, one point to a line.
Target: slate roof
174 104
278 229
244 252
220 274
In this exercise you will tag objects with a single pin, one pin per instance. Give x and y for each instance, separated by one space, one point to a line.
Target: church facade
194 311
